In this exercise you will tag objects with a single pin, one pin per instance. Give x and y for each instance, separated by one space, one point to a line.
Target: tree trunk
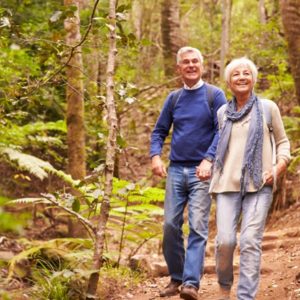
262 12
110 155
290 13
226 16
143 15
171 37
137 13
75 97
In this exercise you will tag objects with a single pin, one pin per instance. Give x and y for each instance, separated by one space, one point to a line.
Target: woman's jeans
183 187
253 210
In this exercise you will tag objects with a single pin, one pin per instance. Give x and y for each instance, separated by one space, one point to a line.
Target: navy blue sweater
195 130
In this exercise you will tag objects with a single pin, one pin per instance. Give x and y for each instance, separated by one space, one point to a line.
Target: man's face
190 68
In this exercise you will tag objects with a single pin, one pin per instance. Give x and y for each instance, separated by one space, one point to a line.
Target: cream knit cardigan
229 180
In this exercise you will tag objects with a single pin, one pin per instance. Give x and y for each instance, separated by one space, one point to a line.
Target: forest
82 83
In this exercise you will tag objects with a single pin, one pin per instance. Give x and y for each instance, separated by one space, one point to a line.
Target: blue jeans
254 209
183 187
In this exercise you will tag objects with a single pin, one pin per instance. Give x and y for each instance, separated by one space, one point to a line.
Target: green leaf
76 205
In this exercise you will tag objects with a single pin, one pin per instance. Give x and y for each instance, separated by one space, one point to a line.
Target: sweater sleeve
281 140
219 100
162 128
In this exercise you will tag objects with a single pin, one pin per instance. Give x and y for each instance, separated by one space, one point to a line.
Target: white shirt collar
196 86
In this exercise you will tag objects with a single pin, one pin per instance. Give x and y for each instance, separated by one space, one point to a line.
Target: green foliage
9 222
44 139
57 268
53 251
281 82
27 162
32 107
33 133
60 268
135 215
5 295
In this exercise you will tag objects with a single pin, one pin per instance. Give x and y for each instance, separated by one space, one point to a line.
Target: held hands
158 167
203 171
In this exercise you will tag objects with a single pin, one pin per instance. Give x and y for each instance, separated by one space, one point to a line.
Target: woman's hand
268 178
280 168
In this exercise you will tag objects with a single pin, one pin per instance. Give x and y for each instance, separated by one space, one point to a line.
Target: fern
55 247
27 162
134 210
30 201
24 135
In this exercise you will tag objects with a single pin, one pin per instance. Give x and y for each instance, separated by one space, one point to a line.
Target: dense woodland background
82 83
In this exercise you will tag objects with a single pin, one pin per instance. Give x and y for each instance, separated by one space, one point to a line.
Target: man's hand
158 167
203 171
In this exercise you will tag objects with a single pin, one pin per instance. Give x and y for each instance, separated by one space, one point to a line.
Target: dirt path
280 275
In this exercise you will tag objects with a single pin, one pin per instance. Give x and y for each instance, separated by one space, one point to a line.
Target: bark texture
110 155
75 97
226 16
290 12
171 36
262 12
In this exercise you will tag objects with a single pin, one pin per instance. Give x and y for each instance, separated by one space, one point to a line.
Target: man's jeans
254 210
183 187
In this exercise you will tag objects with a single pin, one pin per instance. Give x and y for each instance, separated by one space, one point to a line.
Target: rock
210 269
269 246
146 263
269 237
6 255
265 270
298 277
292 234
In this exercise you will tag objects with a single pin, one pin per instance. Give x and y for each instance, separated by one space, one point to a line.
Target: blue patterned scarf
252 162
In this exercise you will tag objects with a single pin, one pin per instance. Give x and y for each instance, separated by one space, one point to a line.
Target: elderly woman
243 177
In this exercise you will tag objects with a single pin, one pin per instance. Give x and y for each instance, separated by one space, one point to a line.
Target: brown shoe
171 289
189 292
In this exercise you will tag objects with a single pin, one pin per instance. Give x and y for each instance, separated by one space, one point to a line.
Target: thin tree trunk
110 155
290 12
262 12
137 13
171 36
226 16
75 98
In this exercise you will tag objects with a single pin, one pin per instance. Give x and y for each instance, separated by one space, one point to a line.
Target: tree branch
86 223
43 82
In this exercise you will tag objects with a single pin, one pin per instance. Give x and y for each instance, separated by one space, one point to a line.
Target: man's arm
158 136
203 171
220 100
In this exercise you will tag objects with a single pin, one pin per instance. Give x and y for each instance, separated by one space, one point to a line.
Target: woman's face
241 81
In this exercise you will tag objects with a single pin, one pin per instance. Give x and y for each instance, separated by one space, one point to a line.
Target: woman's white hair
188 49
243 61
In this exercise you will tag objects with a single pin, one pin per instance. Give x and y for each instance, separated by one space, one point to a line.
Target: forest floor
280 273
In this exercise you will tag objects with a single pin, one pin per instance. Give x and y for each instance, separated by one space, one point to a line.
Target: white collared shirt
195 86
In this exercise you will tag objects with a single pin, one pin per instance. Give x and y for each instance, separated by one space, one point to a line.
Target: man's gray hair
242 61
188 49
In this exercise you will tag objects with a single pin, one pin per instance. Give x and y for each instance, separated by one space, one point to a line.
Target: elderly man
192 111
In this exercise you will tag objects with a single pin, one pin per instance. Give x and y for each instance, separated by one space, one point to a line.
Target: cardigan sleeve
281 140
